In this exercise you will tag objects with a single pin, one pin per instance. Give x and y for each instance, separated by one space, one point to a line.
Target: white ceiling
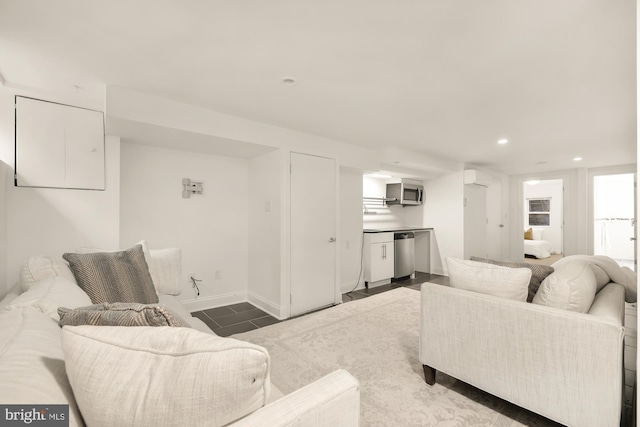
445 78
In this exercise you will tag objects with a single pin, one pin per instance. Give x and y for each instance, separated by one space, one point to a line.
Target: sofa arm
333 400
564 365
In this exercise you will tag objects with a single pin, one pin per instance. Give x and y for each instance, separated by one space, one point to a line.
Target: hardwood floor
243 317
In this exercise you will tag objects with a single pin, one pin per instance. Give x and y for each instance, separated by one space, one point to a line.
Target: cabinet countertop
396 229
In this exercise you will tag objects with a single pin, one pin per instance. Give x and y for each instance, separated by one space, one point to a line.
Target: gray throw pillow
120 314
538 272
121 276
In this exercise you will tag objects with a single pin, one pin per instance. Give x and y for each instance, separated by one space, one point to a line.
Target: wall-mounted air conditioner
472 176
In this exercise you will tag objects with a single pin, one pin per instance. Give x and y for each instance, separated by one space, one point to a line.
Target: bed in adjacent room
535 246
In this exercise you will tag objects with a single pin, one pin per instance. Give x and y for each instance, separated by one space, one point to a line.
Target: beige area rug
376 340
544 261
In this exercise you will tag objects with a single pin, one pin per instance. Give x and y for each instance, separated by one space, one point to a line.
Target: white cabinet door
58 146
378 257
382 261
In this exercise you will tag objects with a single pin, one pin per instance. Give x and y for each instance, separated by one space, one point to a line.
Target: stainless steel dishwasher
405 254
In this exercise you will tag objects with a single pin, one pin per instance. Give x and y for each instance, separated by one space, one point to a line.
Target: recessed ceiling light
503 141
289 81
577 159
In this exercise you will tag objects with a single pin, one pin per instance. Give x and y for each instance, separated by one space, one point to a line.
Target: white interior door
313 232
495 223
475 221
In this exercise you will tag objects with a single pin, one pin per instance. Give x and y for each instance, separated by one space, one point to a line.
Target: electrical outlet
218 275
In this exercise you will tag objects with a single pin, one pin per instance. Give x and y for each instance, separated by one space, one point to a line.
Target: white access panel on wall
58 146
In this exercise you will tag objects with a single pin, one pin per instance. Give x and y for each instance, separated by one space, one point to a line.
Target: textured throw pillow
489 279
536 234
40 267
145 376
120 314
165 267
538 272
528 234
49 294
121 276
572 287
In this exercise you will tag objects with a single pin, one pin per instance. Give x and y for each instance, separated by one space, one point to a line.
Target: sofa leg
429 374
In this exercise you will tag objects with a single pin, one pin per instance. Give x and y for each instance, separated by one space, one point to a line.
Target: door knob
332 239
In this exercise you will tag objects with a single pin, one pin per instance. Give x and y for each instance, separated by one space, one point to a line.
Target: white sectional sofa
565 363
147 375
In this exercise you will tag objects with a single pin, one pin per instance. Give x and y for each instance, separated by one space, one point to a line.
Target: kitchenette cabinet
378 258
379 253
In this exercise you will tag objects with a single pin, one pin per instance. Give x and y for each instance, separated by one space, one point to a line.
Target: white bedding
537 248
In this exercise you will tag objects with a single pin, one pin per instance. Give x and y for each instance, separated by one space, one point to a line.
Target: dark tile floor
399 283
243 317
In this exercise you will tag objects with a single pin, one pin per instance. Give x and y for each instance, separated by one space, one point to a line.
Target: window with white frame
539 211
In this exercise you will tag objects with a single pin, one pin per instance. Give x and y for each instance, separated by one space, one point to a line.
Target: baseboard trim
265 305
205 303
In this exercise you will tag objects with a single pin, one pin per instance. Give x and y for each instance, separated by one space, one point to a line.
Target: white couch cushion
602 278
163 376
505 282
571 286
32 366
49 294
165 267
176 306
39 267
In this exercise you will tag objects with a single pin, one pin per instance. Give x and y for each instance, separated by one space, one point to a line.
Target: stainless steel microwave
405 194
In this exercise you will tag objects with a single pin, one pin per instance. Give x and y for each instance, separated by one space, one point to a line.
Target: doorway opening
614 224
543 220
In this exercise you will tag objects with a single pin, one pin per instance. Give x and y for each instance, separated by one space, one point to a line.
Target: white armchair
564 365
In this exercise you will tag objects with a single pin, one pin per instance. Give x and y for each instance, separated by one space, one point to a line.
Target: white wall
387 216
265 231
136 107
350 236
551 189
210 228
5 172
51 221
444 211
